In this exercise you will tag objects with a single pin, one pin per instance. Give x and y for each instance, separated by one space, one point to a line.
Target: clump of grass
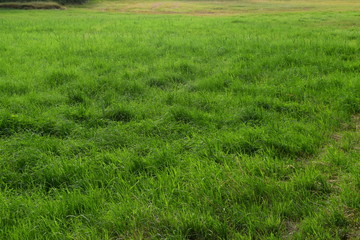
59 78
119 113
32 5
11 88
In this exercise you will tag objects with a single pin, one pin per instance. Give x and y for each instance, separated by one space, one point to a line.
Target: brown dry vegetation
223 7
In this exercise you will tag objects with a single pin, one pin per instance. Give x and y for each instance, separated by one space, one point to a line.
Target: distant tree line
64 2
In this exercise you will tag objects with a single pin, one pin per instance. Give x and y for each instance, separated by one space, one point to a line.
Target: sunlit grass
121 126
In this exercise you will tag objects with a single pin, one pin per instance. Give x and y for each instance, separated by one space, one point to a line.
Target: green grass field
120 123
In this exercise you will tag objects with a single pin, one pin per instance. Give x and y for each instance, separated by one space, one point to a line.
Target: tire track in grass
339 213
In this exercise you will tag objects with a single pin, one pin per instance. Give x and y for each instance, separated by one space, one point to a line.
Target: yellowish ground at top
229 7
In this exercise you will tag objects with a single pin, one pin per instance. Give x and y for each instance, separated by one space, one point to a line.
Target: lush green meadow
132 126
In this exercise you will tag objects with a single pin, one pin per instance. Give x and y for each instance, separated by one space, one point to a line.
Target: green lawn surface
156 126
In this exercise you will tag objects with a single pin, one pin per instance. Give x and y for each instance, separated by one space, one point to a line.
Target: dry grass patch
222 7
